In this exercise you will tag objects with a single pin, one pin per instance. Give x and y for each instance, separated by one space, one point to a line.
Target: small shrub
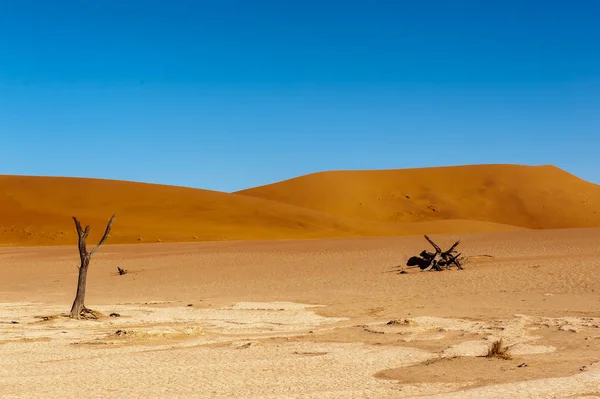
498 350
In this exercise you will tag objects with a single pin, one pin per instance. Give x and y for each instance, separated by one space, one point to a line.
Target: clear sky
228 94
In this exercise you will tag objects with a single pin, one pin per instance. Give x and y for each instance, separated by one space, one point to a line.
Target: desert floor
306 319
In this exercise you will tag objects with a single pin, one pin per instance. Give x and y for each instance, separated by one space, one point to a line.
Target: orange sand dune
527 196
38 210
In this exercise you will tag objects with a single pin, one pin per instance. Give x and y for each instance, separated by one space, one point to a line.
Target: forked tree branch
77 226
105 236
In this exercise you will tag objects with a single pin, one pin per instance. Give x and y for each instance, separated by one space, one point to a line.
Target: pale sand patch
467 348
41 360
36 320
566 387
515 333
245 368
261 371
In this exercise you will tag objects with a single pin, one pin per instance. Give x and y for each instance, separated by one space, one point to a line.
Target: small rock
584 368
403 272
522 365
190 304
115 315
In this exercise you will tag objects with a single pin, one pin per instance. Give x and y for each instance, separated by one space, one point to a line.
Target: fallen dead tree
437 260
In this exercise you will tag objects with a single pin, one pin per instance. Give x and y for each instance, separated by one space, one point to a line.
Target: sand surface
476 198
306 319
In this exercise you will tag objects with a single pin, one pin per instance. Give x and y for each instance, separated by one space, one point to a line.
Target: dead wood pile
438 260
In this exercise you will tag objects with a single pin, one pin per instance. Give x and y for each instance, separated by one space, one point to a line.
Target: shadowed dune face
38 210
532 197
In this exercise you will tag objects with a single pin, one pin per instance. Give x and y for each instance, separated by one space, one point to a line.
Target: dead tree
436 260
78 309
447 257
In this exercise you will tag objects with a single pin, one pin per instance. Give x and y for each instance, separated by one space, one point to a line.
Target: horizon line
286 179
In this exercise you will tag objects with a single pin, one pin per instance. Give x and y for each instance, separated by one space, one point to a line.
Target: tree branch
77 226
437 249
82 235
452 248
105 236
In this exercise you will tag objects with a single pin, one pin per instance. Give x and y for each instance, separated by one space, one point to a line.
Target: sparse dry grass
498 350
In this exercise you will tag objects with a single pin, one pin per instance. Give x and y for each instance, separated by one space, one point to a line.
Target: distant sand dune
527 196
38 210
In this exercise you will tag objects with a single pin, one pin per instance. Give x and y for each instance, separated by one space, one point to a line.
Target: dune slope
38 211
532 197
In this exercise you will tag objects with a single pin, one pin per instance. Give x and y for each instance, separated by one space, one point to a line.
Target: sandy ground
306 319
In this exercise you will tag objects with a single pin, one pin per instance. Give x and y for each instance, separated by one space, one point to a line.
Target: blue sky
229 94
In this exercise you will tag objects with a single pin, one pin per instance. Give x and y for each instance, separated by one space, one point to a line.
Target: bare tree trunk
78 308
78 304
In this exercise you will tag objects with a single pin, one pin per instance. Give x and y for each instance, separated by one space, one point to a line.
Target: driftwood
436 260
78 309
